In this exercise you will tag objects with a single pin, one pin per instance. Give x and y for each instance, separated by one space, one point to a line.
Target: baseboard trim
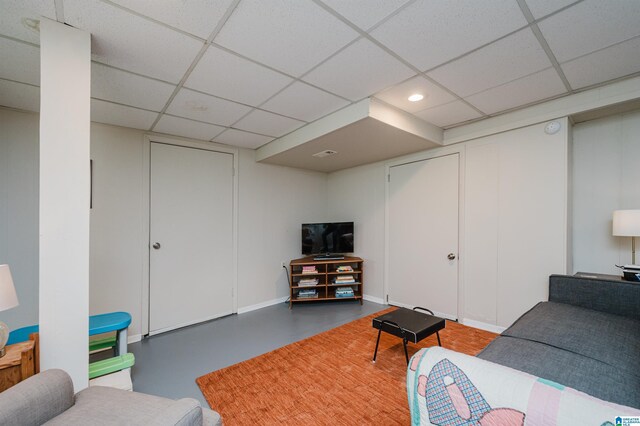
483 325
261 305
373 299
134 338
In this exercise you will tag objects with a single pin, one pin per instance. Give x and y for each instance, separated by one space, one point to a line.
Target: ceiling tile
358 71
532 88
120 86
304 102
119 115
433 94
448 114
14 13
606 64
242 139
429 33
365 13
512 57
20 62
124 40
589 26
20 96
540 8
198 106
187 128
227 75
267 123
197 17
291 36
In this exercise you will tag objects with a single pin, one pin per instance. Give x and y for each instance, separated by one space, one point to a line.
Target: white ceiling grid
243 72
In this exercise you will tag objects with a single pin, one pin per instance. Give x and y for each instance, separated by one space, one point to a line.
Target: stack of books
344 292
344 268
310 269
307 282
344 279
308 293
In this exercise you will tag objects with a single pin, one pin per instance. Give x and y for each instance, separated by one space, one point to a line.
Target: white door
423 235
191 236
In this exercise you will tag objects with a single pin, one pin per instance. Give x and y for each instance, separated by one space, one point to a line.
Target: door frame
414 158
146 211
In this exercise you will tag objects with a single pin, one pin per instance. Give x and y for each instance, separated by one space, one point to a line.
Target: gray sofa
48 398
587 336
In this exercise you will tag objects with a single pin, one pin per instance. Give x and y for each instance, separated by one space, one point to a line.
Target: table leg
438 335
406 355
375 353
121 342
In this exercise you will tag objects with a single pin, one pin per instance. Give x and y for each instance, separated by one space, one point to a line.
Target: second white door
423 235
191 236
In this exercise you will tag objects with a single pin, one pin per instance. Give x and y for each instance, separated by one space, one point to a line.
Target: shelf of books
321 280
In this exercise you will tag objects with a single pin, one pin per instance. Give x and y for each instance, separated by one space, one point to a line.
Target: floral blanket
447 388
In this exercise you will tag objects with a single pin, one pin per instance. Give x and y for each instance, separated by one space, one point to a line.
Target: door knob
156 246
451 256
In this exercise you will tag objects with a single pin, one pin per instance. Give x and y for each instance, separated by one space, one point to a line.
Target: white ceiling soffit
362 133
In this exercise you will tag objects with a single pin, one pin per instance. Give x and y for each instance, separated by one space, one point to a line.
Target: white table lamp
8 300
626 223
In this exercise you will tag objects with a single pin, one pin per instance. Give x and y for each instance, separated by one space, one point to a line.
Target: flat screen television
327 239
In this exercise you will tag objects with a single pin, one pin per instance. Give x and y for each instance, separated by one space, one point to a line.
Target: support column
65 90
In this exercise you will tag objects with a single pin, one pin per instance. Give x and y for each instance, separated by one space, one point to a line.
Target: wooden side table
19 363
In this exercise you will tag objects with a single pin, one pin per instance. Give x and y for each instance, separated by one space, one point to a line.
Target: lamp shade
626 223
8 298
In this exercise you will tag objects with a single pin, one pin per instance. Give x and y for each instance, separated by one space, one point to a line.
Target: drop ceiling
249 72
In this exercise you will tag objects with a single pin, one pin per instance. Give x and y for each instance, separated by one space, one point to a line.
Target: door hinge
387 298
389 178
233 171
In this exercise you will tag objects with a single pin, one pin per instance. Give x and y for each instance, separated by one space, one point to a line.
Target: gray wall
19 182
606 177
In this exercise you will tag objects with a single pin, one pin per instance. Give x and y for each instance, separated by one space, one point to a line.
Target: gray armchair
48 398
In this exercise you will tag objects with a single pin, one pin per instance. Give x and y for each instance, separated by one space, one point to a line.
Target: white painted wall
606 177
116 223
65 89
273 202
357 195
19 182
515 211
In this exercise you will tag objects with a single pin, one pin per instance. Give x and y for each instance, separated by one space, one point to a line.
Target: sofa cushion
583 373
611 339
109 406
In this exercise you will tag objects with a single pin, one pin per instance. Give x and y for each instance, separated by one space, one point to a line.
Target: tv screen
322 238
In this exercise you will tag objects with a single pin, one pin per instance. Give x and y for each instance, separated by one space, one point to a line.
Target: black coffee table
409 325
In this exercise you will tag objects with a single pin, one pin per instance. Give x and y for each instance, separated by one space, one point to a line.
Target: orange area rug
328 379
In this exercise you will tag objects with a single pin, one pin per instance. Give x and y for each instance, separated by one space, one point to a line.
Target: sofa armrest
210 417
447 387
37 399
613 297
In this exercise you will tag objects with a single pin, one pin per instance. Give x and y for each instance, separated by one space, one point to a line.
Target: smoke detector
325 153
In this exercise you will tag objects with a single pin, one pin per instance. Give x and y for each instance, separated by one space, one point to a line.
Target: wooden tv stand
326 275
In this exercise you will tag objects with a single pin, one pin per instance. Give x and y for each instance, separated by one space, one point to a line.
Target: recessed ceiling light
324 153
416 97
31 24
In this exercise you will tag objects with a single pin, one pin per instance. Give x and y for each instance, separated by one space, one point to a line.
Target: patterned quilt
447 388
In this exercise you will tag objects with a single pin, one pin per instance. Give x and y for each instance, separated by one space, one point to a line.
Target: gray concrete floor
168 364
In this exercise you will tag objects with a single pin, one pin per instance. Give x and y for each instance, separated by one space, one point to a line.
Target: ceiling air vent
325 153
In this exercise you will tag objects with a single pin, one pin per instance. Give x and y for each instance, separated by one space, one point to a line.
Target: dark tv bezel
325 223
